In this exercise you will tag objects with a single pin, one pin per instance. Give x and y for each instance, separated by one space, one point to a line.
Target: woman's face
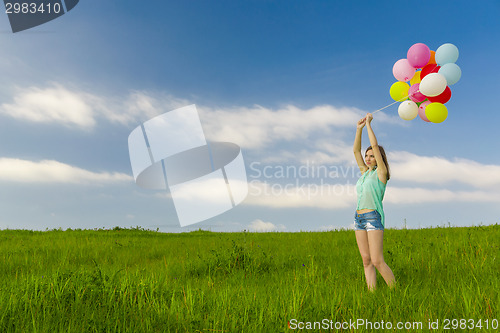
370 159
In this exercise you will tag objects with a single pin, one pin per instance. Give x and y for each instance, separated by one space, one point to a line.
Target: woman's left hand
369 118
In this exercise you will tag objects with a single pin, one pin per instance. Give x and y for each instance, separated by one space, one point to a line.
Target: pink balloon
418 55
421 111
415 94
402 70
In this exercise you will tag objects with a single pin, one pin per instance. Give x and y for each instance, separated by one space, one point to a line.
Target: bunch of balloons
430 74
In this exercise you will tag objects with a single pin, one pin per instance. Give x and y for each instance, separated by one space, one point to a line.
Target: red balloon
429 68
443 97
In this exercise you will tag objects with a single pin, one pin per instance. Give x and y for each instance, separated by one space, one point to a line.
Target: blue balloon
451 72
446 53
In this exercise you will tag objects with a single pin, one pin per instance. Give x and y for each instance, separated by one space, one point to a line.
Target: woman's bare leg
364 250
376 248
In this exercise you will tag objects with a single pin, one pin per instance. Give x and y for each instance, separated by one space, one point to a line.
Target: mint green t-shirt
371 192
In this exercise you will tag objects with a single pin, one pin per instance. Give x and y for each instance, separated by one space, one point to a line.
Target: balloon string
402 99
385 107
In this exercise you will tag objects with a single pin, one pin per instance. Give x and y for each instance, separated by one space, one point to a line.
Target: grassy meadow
135 280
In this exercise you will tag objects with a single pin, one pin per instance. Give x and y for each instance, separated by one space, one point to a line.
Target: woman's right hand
361 123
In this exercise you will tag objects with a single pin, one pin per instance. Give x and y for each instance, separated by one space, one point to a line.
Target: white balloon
433 84
408 110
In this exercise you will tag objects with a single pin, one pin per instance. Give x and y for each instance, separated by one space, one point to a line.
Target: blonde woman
369 219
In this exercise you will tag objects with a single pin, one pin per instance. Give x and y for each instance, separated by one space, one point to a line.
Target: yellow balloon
436 112
415 78
399 91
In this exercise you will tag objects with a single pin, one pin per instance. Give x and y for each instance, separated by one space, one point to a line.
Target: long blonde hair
384 158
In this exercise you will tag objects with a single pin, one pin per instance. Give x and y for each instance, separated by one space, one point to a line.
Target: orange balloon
432 60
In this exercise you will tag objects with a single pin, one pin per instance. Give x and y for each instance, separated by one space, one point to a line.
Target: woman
369 217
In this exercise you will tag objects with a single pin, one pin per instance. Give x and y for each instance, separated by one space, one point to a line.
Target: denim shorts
368 221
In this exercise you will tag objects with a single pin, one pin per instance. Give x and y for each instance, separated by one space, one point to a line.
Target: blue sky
285 80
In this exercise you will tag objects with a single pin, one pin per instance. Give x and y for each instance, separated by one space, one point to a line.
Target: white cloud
319 152
140 106
256 127
261 226
50 171
250 127
330 152
417 195
210 191
253 128
294 195
75 108
344 196
54 104
409 167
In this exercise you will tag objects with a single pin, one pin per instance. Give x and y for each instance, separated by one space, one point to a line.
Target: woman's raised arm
381 167
357 145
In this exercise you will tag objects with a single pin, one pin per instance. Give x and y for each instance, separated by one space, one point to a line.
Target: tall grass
133 280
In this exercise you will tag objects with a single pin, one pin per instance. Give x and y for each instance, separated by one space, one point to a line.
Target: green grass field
133 280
